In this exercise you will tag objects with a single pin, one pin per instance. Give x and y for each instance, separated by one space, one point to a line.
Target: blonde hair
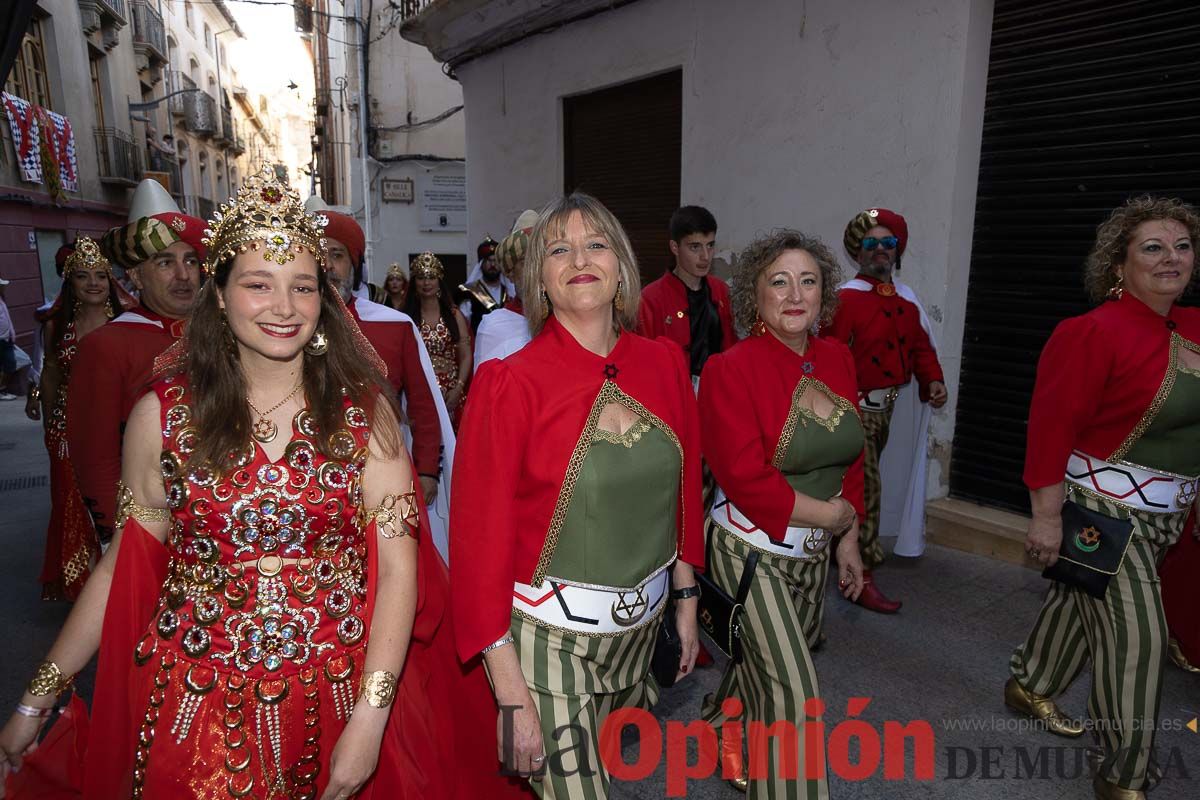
551 224
1112 237
761 253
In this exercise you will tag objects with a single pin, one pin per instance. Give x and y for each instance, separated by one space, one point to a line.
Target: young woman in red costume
576 505
90 297
268 460
1114 426
783 439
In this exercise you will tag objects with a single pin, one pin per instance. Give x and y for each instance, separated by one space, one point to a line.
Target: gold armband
49 680
394 508
379 688
128 507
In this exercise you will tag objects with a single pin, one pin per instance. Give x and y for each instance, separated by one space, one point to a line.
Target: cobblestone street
942 659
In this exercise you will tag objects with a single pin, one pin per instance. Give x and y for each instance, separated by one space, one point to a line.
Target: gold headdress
427 265
87 256
398 271
268 213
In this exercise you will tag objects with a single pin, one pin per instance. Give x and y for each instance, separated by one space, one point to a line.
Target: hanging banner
31 127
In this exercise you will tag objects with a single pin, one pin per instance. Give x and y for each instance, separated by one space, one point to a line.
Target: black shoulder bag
720 615
1092 550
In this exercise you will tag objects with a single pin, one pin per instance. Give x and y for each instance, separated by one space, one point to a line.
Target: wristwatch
685 592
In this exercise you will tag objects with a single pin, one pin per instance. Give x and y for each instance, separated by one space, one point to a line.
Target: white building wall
407 86
794 114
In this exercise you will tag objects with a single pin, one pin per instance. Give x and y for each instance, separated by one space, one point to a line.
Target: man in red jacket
687 304
885 327
160 248
392 334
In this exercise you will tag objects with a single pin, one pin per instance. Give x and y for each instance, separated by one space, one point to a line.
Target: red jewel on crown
271 194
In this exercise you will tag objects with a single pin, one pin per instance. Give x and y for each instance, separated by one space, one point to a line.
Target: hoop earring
1118 289
759 327
318 345
619 299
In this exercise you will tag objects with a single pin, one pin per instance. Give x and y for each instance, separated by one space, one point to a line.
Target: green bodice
620 525
818 451
1172 442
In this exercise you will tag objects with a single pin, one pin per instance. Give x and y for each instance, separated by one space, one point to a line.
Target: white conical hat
150 198
315 203
527 219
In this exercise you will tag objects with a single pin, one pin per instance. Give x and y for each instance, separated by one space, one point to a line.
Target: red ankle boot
875 600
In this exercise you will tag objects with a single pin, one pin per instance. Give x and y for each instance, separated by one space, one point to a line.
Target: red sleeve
421 410
483 512
690 518
924 359
729 335
842 325
1071 374
94 437
648 318
852 482
733 447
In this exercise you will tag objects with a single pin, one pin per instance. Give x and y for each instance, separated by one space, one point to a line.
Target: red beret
346 230
862 222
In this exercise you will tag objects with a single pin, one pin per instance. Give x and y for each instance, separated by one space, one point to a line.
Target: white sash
803 544
592 611
1131 486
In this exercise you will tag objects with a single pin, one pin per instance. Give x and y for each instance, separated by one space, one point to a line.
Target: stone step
973 528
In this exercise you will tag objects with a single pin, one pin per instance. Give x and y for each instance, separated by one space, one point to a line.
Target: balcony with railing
200 113
176 81
118 156
226 132
168 165
149 33
106 16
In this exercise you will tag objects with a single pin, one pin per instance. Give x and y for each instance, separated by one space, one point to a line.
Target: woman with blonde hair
576 505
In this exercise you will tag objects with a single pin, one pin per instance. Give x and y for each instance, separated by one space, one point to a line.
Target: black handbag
668 650
720 616
1092 551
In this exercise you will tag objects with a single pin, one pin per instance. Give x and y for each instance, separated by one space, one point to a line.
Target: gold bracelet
379 688
394 508
49 680
128 507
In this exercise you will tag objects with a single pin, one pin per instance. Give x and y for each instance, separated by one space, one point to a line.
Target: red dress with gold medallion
252 662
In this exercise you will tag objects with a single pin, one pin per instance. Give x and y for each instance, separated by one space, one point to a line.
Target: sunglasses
888 242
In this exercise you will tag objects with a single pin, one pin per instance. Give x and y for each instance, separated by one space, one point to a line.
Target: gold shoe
1178 658
1039 707
1110 791
742 784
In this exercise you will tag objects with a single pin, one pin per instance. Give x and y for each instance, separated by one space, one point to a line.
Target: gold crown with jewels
427 265
87 256
266 214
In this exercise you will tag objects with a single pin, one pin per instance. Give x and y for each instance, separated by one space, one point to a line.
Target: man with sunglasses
883 323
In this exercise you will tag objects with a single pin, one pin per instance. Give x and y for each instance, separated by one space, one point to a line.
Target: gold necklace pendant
265 430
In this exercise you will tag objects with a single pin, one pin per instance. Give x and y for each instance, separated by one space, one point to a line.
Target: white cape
439 510
501 333
904 461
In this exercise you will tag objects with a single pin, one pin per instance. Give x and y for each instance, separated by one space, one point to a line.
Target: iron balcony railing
176 81
410 8
159 161
118 156
200 113
116 8
227 124
148 29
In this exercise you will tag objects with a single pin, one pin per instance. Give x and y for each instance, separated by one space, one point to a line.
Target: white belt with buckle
1130 485
592 610
878 399
805 544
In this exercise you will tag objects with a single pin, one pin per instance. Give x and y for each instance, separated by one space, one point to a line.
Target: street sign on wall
443 201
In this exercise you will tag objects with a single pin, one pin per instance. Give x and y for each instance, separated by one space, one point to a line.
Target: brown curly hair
752 261
1112 237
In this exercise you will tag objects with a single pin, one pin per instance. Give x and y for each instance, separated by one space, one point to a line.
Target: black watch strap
685 592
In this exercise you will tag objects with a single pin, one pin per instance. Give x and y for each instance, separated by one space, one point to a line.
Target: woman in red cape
293 575
90 297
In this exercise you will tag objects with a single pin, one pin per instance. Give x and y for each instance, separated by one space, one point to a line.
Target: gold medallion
265 430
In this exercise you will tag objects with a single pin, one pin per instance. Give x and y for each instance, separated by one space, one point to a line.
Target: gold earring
619 300
759 327
318 345
108 309
1118 289
545 298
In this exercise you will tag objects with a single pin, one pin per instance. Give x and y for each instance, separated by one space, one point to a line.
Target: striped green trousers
576 682
776 675
876 425
1125 634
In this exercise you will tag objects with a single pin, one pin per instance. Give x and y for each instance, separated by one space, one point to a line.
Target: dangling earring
76 308
545 299
759 327
108 309
619 299
439 294
318 345
1118 289
227 335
